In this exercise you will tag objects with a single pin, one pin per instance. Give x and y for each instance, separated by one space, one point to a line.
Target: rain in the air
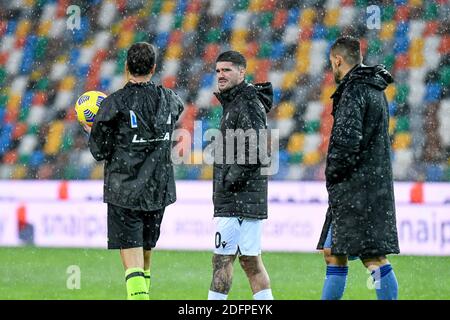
224 150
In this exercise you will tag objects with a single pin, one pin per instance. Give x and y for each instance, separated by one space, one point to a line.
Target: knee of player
375 262
327 255
249 263
331 259
222 262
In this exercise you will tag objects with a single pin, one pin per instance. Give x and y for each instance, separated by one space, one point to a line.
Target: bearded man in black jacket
240 189
132 133
360 221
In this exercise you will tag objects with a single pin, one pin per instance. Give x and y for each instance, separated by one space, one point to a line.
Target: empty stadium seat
44 67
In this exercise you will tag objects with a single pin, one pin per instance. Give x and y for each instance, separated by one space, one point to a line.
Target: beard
337 76
231 83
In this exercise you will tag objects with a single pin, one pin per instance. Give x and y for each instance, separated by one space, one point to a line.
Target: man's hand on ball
87 128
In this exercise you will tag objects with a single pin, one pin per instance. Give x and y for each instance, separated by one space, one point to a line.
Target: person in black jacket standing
132 133
360 221
240 189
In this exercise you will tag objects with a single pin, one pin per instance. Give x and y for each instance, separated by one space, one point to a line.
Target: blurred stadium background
45 66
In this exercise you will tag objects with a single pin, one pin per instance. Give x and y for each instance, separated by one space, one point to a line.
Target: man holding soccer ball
132 133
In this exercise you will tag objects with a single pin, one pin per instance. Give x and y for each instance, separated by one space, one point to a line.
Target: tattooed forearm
222 273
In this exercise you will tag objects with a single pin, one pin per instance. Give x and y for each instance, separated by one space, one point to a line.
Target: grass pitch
41 273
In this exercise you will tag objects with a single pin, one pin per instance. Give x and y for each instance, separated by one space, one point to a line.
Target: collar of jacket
343 83
142 84
229 95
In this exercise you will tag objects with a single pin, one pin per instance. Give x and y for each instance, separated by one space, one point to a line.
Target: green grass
37 273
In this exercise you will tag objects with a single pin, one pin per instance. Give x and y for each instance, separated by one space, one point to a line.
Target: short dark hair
233 57
141 58
349 48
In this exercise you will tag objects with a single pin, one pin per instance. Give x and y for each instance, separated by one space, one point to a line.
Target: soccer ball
87 106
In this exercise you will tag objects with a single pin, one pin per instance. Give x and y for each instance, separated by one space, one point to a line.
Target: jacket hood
376 76
262 91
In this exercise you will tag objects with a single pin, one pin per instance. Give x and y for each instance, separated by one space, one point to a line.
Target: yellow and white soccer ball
87 106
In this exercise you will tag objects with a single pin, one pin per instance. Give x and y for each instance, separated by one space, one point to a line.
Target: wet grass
42 273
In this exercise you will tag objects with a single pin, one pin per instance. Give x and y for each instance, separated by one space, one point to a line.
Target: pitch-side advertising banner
188 225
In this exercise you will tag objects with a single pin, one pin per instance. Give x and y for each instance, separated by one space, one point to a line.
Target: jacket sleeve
102 137
251 117
346 136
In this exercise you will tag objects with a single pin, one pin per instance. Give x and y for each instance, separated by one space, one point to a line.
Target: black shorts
131 229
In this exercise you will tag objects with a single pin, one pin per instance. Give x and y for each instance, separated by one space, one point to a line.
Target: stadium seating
44 66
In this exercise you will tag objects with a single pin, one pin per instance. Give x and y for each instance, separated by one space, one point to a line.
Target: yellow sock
148 278
136 287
